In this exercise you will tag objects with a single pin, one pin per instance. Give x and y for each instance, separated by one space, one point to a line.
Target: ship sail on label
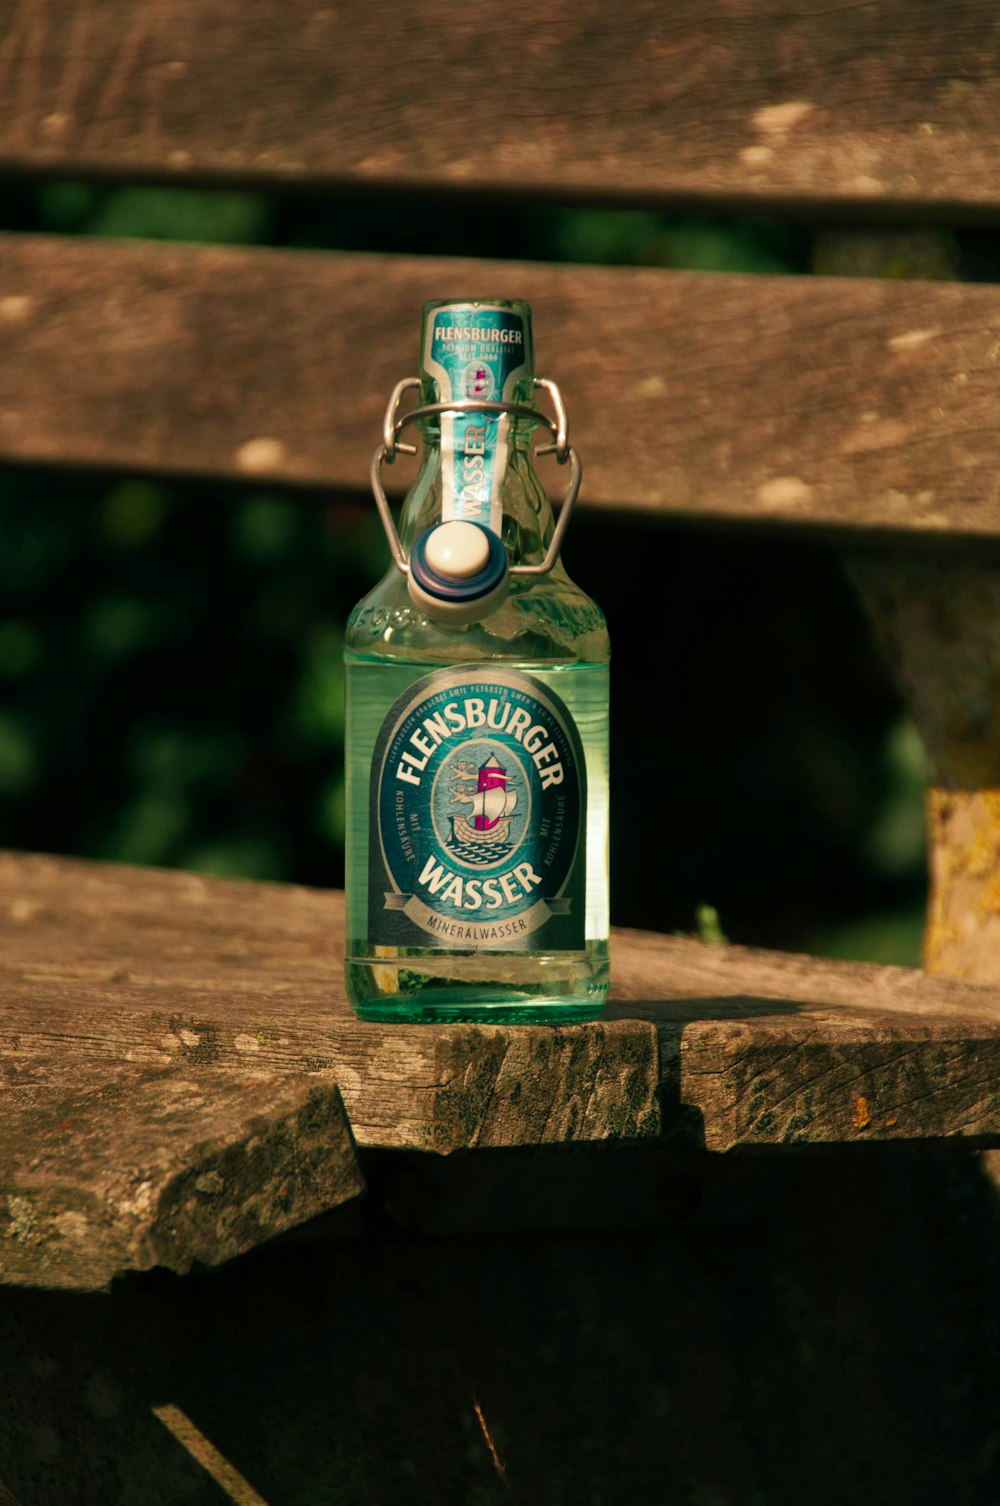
493 805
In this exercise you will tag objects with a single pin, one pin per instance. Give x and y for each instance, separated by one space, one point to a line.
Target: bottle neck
477 466
522 510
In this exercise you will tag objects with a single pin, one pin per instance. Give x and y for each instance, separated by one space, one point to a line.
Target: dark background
170 678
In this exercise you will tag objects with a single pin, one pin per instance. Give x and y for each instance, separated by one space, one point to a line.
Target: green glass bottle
477 710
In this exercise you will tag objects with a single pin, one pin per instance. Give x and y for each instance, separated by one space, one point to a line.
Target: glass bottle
477 711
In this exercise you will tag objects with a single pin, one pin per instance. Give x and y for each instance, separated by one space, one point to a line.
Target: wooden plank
741 101
116 1168
856 405
703 1046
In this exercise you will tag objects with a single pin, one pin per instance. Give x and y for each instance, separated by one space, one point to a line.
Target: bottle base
498 988
508 1012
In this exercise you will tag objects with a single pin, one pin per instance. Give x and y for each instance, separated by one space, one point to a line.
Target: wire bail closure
391 446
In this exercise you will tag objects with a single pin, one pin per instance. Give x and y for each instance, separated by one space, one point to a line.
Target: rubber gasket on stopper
458 571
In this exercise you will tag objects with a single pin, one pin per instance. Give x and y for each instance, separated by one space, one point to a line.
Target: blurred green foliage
172 684
171 689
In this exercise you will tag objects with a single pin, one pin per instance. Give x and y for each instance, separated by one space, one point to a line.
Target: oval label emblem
477 804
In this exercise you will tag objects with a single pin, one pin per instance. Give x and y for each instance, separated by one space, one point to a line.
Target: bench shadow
694 1007
844 1347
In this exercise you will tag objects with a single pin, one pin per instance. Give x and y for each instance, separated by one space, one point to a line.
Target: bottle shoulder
545 619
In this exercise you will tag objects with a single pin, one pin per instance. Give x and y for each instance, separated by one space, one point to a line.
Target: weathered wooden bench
518 1261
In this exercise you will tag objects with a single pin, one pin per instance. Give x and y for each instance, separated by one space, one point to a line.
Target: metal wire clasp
393 426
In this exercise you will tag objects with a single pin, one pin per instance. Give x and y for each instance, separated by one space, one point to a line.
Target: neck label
475 352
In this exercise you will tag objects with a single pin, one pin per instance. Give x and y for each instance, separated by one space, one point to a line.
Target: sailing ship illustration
493 804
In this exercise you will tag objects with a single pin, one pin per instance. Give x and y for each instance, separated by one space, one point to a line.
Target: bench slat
113 1168
702 1046
853 404
734 100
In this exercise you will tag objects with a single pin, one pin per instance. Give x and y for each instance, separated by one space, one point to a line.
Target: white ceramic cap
457 550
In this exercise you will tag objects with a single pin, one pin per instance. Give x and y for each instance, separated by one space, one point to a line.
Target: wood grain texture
854 404
702 1046
741 101
108 1169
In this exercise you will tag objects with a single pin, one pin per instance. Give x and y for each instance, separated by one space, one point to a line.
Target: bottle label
477 817
478 352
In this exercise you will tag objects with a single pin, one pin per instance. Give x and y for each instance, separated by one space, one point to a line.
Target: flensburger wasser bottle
477 709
